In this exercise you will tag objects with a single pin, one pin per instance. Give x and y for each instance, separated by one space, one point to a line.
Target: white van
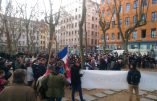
120 52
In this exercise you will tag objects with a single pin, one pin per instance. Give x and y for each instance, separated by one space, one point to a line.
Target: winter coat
55 84
17 93
75 75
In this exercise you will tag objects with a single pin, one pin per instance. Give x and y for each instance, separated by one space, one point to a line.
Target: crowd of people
47 79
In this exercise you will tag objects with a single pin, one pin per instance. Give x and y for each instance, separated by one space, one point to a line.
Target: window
144 3
143 17
154 1
108 1
135 19
134 35
154 16
76 24
92 41
120 22
92 33
79 15
107 37
120 9
143 34
113 24
76 10
92 25
108 12
132 46
113 36
92 18
19 43
76 17
127 21
107 24
95 33
119 36
127 7
102 36
95 26
95 42
102 1
135 4
153 33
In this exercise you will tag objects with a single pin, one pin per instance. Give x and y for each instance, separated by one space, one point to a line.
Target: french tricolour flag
63 54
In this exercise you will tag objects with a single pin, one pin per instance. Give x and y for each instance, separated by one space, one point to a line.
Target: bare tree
81 32
52 21
141 15
28 16
11 26
105 23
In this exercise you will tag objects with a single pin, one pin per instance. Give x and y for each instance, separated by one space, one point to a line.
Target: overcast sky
41 7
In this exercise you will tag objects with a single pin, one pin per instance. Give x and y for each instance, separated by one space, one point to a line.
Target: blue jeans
79 89
55 99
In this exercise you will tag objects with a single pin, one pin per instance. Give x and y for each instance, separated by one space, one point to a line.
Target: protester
76 80
30 78
133 79
55 85
18 91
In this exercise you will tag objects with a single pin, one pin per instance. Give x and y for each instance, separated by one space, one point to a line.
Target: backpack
135 78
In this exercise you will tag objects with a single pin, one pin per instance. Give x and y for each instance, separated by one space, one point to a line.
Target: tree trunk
27 31
81 32
125 45
9 46
104 43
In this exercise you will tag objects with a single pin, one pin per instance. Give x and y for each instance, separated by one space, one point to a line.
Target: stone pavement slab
86 97
109 92
65 99
117 90
142 92
89 89
152 97
145 99
100 95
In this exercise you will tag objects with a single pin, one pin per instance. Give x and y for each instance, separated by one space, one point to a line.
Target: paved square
109 92
145 99
117 90
89 89
86 97
142 92
152 97
65 99
100 95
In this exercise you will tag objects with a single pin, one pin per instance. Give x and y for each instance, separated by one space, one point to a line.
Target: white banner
116 80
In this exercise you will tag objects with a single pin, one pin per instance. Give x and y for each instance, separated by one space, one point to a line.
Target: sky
42 4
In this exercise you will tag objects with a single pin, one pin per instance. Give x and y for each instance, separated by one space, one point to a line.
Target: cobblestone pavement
110 95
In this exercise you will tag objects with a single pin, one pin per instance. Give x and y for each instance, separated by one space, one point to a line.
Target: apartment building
37 36
143 38
68 27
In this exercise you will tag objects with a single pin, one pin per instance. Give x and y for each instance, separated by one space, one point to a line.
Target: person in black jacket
133 79
103 64
76 79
